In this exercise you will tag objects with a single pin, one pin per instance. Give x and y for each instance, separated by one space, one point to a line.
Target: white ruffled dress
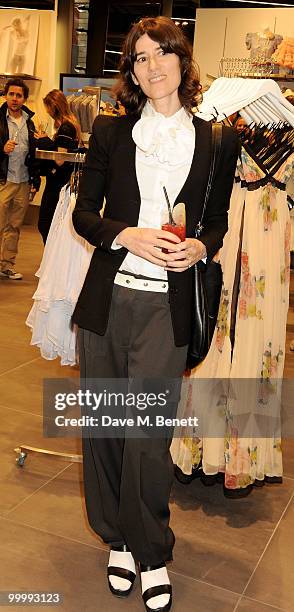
62 272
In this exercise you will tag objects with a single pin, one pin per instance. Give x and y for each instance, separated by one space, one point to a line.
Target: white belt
142 284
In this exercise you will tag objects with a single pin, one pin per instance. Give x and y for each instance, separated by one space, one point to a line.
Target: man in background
19 177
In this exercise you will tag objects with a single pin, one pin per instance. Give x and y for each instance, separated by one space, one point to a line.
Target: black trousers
50 197
47 209
128 481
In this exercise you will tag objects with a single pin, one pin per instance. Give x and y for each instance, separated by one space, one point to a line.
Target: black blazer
57 176
30 161
110 171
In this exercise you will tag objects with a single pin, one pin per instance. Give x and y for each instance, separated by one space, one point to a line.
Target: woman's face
240 125
49 111
156 72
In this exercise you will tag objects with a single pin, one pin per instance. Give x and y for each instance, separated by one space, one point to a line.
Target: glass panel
120 18
80 36
184 16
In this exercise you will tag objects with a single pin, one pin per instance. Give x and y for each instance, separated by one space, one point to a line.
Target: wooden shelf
274 77
25 77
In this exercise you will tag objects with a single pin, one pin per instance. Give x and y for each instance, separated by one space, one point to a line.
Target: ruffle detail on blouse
167 139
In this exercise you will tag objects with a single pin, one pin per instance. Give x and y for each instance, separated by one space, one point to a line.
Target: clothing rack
23 450
79 100
91 91
58 156
257 100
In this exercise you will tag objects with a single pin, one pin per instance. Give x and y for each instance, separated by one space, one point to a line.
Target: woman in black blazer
134 311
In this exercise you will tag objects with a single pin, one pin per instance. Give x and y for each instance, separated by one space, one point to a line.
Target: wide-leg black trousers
128 481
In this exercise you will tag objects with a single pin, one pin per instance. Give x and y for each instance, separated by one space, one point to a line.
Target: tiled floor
229 555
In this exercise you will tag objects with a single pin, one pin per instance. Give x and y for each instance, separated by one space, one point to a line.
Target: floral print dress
247 350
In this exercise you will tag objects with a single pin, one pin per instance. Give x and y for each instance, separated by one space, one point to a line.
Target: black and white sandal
120 572
155 591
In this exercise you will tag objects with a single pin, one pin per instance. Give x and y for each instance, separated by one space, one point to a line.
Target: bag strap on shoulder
216 140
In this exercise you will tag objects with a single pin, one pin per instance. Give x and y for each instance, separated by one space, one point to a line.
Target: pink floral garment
259 341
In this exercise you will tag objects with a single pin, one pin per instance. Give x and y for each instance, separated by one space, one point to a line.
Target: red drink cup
178 230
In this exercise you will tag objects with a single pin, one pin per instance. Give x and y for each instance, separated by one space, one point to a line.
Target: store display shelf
76 157
275 77
25 77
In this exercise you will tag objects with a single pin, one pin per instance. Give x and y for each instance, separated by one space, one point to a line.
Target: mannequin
262 44
266 33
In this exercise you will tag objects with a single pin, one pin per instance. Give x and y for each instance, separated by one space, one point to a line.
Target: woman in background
66 138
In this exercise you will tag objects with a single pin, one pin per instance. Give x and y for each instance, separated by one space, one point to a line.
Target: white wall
64 27
221 33
45 58
53 53
53 56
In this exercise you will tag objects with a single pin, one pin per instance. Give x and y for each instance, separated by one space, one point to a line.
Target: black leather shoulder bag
207 280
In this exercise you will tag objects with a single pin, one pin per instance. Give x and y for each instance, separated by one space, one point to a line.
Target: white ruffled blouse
164 153
164 140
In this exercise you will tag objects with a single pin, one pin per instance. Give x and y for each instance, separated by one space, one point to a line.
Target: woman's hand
148 244
185 255
41 131
38 135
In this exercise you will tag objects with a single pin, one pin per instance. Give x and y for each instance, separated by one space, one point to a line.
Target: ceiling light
261 3
117 52
19 8
176 19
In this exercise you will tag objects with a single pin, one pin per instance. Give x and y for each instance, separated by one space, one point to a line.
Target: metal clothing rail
61 156
23 450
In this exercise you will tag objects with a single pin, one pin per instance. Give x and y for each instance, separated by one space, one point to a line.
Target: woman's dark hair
172 40
17 83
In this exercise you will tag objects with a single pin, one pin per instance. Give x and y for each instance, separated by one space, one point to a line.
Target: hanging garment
76 106
92 112
229 95
62 273
70 99
262 44
85 108
284 55
249 343
84 114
